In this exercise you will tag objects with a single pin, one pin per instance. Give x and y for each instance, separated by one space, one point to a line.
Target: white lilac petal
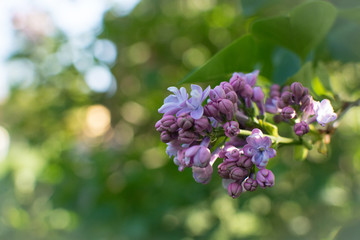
324 112
197 113
169 108
183 94
205 94
171 99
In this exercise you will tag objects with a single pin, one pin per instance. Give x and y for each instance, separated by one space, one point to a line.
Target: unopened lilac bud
212 110
281 104
250 184
258 95
186 136
234 189
224 169
245 162
232 155
202 175
306 91
166 137
297 89
287 98
265 178
232 96
217 93
275 91
231 128
168 123
158 126
305 102
237 82
247 91
251 78
285 89
199 155
258 98
301 128
238 174
227 87
202 124
226 107
185 121
288 113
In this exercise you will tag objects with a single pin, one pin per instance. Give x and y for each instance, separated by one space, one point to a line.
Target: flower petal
197 113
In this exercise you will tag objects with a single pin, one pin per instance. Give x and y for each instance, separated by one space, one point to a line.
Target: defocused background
80 85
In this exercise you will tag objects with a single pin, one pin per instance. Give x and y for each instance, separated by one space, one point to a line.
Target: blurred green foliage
87 165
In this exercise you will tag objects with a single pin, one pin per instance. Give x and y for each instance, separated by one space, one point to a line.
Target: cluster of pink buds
220 123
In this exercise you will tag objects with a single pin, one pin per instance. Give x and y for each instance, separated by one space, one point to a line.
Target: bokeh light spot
97 120
199 221
105 50
133 113
154 158
139 53
124 133
99 78
59 219
300 225
194 57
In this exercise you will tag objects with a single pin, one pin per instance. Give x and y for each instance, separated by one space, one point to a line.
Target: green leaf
301 30
319 88
323 75
300 153
238 56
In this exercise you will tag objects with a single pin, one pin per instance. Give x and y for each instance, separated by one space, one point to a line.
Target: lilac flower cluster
238 166
212 124
295 105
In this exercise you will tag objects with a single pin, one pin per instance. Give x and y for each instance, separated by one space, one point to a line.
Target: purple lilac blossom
198 156
172 148
259 148
271 105
194 104
324 112
174 102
